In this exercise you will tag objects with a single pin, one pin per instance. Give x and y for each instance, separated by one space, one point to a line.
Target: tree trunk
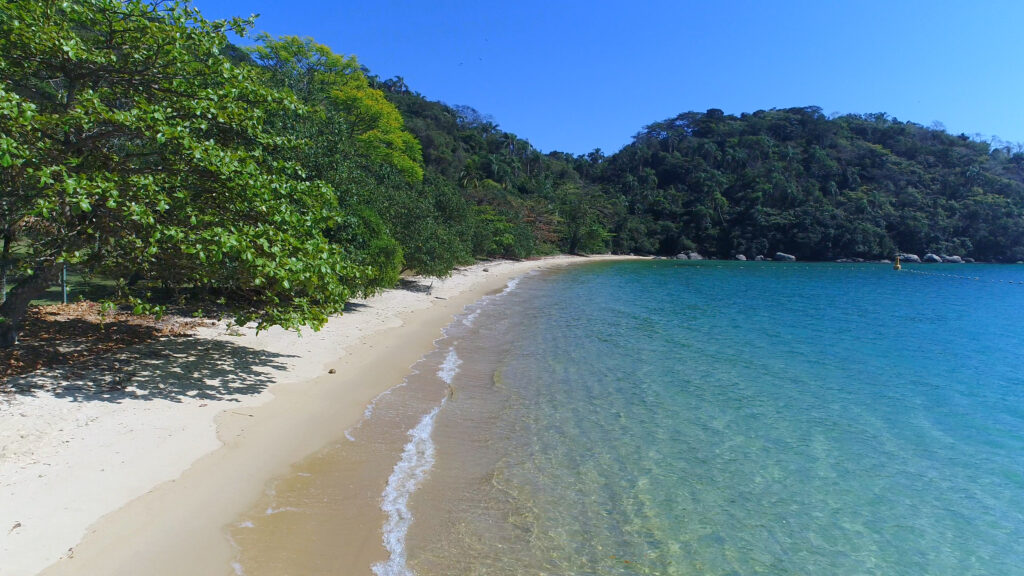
15 307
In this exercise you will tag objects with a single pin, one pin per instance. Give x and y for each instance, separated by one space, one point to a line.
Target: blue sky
574 76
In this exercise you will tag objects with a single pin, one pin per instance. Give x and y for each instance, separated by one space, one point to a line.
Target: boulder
885 261
932 258
910 258
952 259
783 257
968 260
682 256
741 257
694 256
844 261
759 258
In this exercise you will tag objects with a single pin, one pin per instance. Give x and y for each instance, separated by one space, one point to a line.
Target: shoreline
147 482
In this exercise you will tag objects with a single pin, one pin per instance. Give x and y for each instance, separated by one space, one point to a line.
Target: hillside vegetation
138 145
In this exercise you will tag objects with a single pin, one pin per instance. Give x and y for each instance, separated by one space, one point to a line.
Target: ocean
709 418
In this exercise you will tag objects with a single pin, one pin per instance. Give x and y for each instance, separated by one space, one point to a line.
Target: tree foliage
341 92
796 181
133 146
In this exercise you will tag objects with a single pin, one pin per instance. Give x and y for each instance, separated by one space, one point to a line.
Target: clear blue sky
574 76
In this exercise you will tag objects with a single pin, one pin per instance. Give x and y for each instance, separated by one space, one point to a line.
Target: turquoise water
723 418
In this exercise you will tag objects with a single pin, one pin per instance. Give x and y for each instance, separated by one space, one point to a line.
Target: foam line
417 459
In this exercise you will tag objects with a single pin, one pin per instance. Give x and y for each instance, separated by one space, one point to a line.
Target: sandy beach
142 478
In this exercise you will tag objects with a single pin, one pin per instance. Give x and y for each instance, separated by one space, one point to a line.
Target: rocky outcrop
931 258
689 256
759 258
783 257
952 259
741 257
910 258
968 260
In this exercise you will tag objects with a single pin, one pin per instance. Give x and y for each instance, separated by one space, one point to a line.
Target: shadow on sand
168 369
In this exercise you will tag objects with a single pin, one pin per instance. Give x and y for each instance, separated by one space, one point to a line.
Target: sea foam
470 318
416 461
449 367
511 285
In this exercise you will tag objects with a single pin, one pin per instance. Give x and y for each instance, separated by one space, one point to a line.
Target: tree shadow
76 333
173 369
353 307
416 285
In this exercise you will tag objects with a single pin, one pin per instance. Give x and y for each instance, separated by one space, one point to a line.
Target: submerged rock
783 257
932 258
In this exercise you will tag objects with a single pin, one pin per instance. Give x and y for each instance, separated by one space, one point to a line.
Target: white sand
202 426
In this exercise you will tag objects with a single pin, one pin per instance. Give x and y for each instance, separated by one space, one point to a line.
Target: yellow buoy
897 266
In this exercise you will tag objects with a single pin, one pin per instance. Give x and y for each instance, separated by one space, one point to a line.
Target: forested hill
138 145
796 181
789 180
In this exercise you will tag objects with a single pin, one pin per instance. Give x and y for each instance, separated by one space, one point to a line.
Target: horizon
577 76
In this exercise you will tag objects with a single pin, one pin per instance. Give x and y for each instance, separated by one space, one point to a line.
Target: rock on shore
689 256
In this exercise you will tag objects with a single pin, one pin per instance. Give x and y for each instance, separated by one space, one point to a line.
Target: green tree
582 229
133 145
346 101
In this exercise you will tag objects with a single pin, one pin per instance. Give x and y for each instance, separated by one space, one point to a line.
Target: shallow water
731 418
686 418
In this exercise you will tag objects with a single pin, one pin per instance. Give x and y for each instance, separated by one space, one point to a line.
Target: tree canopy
822 188
134 146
